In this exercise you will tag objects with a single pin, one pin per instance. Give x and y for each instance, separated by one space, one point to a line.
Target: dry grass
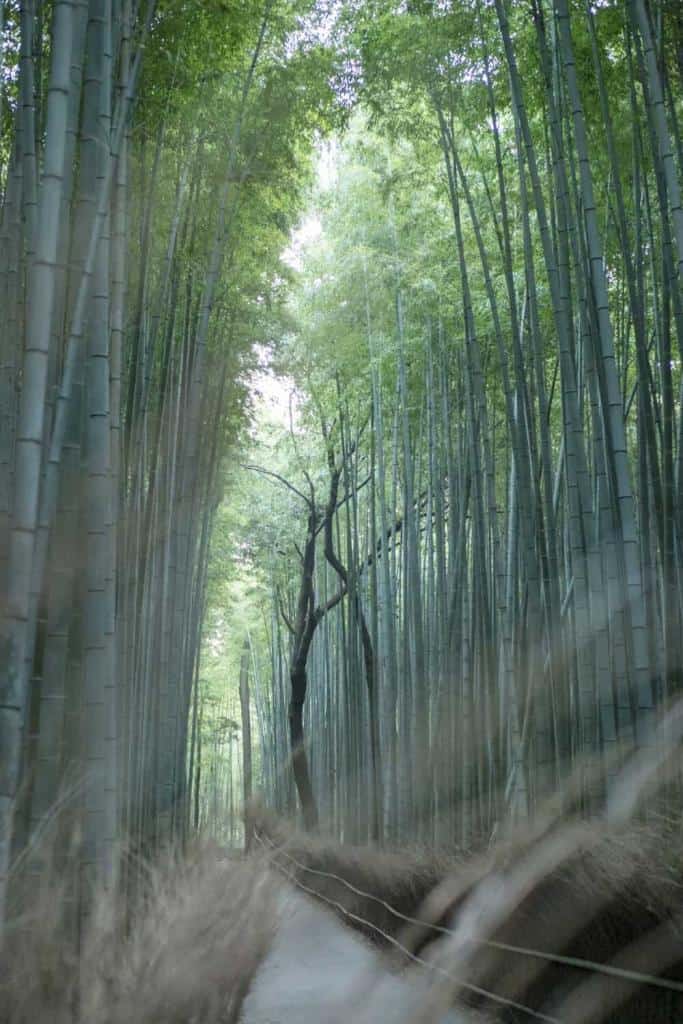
396 880
605 896
198 933
507 920
504 922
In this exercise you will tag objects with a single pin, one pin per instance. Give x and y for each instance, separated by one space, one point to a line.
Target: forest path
319 972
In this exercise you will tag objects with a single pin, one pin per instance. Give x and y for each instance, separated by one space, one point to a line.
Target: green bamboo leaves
516 286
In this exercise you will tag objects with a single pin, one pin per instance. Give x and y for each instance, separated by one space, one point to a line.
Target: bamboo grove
152 156
449 578
488 453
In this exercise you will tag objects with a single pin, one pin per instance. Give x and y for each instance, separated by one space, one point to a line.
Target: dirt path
319 972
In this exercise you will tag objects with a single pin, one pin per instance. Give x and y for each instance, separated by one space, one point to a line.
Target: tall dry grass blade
187 953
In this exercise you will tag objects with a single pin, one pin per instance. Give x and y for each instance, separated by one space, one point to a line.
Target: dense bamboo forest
463 588
341 422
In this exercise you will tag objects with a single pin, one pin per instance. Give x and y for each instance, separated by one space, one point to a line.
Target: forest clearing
341 511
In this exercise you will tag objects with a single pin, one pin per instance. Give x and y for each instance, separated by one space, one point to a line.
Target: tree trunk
246 736
302 777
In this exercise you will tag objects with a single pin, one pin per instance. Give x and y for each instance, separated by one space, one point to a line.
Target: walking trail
319 972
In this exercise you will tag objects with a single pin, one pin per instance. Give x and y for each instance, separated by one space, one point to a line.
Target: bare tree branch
281 607
280 479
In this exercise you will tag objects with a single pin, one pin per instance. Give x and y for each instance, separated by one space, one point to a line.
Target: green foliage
381 293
